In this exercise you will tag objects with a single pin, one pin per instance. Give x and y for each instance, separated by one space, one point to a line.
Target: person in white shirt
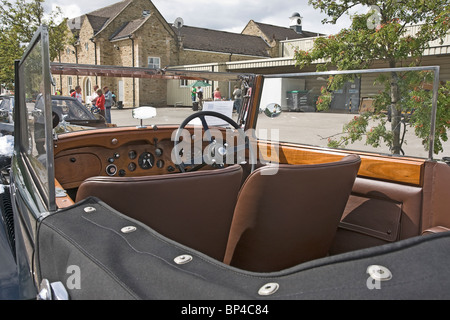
77 94
94 96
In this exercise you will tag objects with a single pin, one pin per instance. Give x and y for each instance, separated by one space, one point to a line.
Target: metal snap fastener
89 209
379 273
128 229
268 289
185 258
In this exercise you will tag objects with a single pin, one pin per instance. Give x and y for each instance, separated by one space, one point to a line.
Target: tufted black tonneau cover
94 259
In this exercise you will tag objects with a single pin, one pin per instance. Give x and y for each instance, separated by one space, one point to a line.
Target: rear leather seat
192 208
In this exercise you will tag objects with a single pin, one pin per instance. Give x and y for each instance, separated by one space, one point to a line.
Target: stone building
133 33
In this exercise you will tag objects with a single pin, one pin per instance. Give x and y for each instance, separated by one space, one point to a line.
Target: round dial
132 166
146 160
132 154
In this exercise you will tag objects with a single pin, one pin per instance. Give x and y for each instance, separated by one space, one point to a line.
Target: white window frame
69 83
154 62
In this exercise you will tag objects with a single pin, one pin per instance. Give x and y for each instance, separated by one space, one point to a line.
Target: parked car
233 209
73 112
6 114
6 108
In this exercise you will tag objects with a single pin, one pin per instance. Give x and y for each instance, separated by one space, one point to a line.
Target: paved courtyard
308 128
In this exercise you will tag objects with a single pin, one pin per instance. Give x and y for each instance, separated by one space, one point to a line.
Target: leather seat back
192 208
290 217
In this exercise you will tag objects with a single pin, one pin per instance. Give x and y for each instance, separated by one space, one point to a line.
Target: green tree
379 35
19 21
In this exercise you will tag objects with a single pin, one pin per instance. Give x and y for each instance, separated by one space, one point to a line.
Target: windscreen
384 111
175 93
36 145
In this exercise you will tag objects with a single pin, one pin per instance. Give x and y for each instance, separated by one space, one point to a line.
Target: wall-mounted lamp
116 47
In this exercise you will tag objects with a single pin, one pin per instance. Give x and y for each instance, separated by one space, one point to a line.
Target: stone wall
155 38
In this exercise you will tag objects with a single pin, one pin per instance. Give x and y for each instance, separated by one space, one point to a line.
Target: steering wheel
217 153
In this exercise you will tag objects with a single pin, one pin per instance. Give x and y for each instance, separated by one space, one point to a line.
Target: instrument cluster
135 160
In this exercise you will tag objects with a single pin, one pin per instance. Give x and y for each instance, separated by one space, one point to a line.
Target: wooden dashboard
147 151
119 152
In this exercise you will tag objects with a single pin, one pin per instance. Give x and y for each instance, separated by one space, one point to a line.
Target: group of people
237 96
102 99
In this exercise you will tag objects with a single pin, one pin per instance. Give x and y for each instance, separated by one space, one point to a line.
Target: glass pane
381 112
33 136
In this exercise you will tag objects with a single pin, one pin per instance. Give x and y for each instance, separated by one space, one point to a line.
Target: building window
86 46
87 89
154 62
69 83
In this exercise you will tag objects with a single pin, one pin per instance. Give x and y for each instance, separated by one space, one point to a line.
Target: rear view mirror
272 110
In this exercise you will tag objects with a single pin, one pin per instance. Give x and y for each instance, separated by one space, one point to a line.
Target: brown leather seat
290 217
192 208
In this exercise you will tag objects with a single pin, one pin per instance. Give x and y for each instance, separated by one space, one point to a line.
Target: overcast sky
228 15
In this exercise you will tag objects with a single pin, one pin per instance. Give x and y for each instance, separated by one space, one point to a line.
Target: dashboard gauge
146 160
132 154
132 166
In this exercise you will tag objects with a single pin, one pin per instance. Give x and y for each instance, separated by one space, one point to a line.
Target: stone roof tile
222 41
282 33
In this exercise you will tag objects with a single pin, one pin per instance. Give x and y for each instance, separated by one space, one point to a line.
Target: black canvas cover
86 250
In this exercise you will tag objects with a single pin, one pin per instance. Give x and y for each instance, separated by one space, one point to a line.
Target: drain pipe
134 80
95 56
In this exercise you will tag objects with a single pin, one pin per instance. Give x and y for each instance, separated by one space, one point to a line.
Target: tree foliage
379 35
19 21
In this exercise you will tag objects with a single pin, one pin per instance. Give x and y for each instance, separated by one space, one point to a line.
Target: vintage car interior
287 207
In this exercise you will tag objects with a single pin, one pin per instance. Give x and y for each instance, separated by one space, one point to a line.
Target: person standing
108 103
77 94
193 94
217 95
237 94
101 102
94 96
200 97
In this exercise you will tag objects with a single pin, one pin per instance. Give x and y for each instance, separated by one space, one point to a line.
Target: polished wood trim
255 99
63 202
112 138
382 167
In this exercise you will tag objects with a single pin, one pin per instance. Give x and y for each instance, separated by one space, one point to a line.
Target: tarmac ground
299 127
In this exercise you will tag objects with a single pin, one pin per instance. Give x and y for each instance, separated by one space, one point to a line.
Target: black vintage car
73 112
243 207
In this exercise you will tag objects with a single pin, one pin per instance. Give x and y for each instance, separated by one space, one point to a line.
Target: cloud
230 15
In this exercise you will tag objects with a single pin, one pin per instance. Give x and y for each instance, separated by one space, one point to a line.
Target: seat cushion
193 208
291 216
